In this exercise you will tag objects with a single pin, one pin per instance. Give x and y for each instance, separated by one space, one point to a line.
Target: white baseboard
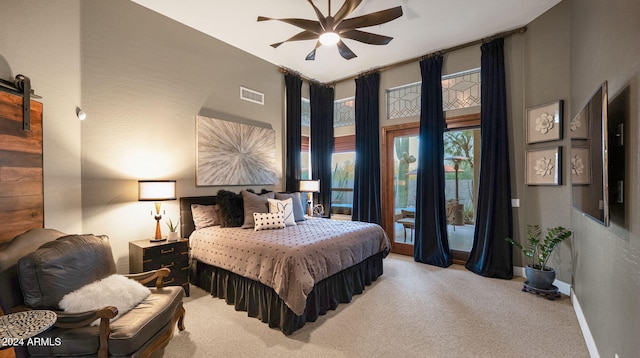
563 287
586 333
566 289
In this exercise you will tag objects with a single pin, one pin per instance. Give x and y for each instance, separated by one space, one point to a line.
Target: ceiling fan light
329 38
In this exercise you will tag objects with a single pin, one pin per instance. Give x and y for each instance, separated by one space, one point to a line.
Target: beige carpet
413 310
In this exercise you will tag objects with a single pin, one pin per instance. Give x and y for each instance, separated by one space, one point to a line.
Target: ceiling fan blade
366 37
346 9
304 35
312 55
318 13
372 19
309 25
345 51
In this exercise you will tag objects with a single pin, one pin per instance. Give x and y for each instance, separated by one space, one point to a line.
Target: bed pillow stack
237 209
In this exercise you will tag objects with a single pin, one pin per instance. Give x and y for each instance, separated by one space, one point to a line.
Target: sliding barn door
21 193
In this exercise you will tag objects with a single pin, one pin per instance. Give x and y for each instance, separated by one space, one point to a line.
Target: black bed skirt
262 302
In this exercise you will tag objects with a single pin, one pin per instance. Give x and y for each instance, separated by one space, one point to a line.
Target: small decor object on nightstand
318 210
173 230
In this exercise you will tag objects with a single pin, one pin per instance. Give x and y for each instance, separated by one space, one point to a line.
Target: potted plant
537 249
173 230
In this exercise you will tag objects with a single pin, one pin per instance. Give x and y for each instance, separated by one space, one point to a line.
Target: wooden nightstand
145 255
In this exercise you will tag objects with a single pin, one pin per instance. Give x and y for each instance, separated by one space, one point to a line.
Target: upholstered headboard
186 219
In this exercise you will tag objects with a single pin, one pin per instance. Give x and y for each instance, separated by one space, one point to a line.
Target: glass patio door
462 171
400 163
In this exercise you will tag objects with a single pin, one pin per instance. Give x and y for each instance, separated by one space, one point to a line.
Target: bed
284 277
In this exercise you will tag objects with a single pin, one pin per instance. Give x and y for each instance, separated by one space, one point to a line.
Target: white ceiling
426 26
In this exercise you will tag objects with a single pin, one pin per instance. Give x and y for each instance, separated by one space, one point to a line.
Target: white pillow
114 290
266 221
285 207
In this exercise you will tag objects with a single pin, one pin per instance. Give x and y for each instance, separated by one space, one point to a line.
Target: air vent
251 95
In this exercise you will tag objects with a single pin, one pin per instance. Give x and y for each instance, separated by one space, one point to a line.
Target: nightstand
145 255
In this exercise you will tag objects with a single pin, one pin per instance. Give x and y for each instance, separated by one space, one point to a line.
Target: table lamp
310 187
157 191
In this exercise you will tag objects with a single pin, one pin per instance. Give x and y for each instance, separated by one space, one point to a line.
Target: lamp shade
156 190
310 186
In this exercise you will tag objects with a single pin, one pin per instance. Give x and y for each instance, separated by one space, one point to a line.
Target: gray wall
41 40
144 80
546 72
605 46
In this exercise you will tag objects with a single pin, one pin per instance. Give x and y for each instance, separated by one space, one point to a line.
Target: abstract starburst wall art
230 153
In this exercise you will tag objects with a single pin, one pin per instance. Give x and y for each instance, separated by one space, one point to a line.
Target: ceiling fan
330 30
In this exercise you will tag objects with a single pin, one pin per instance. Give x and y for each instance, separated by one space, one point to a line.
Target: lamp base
157 240
309 204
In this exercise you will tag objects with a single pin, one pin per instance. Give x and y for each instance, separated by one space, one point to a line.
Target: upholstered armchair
41 266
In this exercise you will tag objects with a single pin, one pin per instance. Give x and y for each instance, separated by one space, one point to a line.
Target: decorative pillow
205 215
254 203
298 208
114 290
285 207
267 221
231 211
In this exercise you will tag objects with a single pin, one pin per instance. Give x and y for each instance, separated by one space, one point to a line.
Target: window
459 90
344 153
305 154
343 162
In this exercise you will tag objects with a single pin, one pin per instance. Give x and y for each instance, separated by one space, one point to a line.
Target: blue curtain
321 100
431 245
293 171
491 255
366 187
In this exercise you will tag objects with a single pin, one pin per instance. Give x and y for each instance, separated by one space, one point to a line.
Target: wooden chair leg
181 319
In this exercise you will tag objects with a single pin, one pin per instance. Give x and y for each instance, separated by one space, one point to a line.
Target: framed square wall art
581 165
230 153
543 166
544 123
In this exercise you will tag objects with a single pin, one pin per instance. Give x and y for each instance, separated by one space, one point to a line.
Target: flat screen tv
589 158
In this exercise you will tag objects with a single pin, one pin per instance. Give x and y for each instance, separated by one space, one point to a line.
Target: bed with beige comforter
293 260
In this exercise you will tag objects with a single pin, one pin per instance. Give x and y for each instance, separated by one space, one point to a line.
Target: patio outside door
400 146
399 167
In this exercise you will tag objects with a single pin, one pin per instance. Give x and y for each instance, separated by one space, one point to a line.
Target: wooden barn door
21 191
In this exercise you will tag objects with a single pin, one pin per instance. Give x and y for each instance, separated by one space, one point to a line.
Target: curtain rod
519 30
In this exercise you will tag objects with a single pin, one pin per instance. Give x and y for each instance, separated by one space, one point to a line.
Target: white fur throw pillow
266 221
285 207
114 290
